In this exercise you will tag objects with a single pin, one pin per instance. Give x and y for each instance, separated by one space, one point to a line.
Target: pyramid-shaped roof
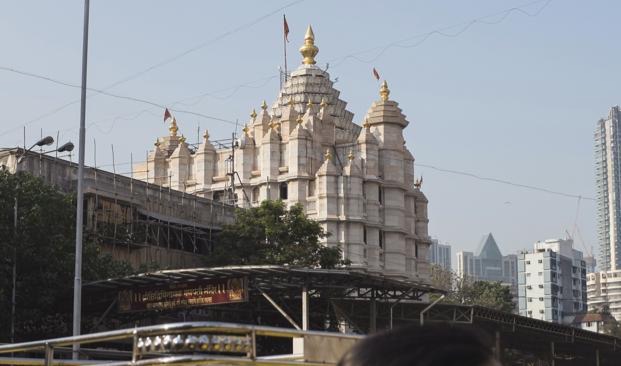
309 83
488 249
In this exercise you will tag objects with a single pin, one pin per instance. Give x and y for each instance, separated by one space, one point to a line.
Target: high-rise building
552 281
604 288
488 264
608 184
440 254
356 180
604 291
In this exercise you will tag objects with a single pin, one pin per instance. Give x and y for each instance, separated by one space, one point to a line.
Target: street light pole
77 284
48 140
14 290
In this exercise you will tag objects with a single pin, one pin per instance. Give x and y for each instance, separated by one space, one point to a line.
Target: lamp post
46 141
77 283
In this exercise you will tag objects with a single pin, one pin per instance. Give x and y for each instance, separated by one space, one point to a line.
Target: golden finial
366 124
299 119
157 143
384 91
290 102
309 104
309 50
206 135
253 115
181 139
328 155
264 105
173 127
323 103
273 125
351 156
245 129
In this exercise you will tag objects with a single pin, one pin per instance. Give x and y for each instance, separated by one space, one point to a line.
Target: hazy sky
517 100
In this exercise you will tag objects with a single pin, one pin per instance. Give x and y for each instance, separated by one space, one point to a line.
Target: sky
510 95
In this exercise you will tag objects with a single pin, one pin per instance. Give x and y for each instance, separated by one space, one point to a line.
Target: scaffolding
134 220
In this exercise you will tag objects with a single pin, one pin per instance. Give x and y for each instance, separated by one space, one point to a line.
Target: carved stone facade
358 182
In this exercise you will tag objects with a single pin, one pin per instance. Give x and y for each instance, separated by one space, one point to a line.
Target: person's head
430 345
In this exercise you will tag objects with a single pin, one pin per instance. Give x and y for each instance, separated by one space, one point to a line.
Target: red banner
184 295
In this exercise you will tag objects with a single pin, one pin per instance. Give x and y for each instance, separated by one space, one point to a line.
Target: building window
540 261
364 235
255 194
284 193
527 262
283 155
380 195
257 158
381 239
311 188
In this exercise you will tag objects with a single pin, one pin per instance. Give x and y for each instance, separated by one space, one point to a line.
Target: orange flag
376 74
285 27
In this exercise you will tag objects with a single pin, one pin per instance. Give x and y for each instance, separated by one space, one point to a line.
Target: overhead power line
458 29
502 181
203 44
103 92
161 63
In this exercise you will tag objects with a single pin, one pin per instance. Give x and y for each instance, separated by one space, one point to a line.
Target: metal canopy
356 284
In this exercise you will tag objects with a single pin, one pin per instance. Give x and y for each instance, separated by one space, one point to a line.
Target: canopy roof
270 277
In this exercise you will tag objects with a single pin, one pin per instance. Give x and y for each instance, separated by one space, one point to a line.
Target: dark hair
431 345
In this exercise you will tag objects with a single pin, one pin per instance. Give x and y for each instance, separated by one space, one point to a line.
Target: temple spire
384 91
309 50
173 127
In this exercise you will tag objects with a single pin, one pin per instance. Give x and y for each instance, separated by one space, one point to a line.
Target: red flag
285 27
167 115
376 74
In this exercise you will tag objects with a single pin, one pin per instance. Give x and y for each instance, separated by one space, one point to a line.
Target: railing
197 343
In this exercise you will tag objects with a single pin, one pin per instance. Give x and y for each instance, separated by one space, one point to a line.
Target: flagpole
284 44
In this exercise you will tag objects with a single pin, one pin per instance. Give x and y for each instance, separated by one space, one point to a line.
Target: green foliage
271 234
44 245
489 294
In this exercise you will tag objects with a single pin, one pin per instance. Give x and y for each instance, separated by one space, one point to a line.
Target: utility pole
77 285
14 289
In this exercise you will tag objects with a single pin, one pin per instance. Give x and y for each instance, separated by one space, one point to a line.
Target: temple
357 180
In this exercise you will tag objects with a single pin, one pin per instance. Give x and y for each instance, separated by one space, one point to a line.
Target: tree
44 244
271 234
489 294
610 325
